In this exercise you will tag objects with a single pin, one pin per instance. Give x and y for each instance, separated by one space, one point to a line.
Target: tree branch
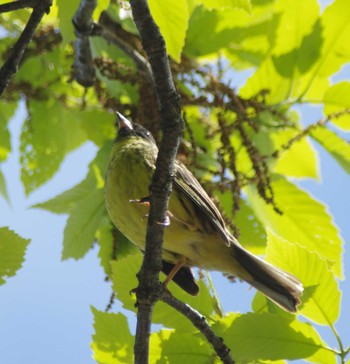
149 289
84 70
201 324
141 63
11 65
16 5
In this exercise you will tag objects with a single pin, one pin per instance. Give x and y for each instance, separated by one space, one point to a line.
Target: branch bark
11 65
149 289
199 321
16 5
84 70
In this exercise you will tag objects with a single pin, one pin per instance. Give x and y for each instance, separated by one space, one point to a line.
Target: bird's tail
281 287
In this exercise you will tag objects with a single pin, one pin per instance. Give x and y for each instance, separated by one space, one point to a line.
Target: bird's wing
187 186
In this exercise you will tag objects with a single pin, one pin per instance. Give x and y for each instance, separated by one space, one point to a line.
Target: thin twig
141 63
11 65
201 324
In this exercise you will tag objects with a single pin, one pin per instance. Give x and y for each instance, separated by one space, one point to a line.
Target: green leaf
49 134
322 297
12 250
223 4
3 188
82 225
336 33
296 20
268 337
101 131
172 18
112 341
304 220
66 201
177 347
113 246
337 99
6 112
300 160
252 234
125 270
66 11
335 145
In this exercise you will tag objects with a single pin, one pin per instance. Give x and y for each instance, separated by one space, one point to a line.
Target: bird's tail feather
281 287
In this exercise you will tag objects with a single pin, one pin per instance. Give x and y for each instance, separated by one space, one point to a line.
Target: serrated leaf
321 298
112 340
304 220
268 337
49 134
66 201
224 4
12 250
172 18
336 99
82 225
335 145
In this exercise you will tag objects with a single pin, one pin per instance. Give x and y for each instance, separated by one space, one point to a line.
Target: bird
196 235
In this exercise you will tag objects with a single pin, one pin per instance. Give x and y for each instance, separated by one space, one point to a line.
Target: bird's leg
145 201
142 201
179 264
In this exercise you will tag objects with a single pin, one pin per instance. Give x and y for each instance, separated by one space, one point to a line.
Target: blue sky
45 311
46 307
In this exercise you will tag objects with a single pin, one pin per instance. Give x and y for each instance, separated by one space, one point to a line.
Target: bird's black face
128 129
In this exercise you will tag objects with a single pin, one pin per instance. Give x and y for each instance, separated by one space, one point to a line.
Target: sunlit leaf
268 336
112 341
223 4
304 220
296 20
172 18
183 348
335 145
337 99
321 298
12 250
300 160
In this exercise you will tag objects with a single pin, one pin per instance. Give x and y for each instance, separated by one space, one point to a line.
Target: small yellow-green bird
196 235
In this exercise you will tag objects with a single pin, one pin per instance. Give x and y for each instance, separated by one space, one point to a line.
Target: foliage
248 145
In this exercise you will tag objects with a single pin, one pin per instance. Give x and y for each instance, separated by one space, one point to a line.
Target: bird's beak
123 122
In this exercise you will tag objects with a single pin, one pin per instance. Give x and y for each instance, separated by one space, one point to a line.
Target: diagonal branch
199 321
11 65
19 4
